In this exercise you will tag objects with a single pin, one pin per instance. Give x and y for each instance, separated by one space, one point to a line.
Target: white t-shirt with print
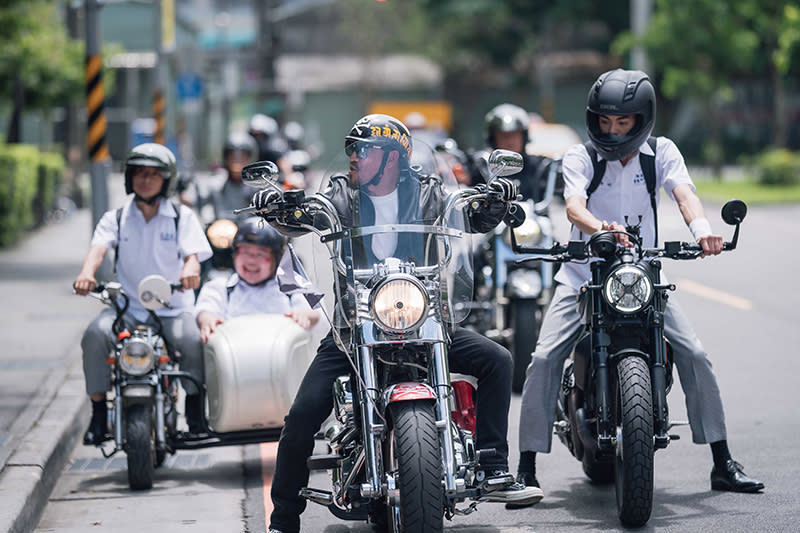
621 193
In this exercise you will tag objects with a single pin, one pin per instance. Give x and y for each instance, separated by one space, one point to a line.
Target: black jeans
469 354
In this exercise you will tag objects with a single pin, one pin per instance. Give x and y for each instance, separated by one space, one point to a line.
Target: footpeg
322 497
323 462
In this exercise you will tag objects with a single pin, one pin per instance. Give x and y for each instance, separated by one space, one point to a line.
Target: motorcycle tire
634 453
140 447
525 322
414 457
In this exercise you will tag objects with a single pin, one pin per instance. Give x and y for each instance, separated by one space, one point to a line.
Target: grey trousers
98 341
561 327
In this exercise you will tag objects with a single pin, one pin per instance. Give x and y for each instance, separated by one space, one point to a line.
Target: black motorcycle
612 409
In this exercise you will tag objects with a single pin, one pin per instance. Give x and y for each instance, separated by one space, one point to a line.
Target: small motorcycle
612 410
511 294
250 381
396 455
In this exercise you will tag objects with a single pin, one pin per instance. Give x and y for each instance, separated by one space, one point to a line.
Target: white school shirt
246 299
386 212
621 193
153 247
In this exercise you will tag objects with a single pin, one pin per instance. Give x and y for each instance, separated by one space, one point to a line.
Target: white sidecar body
254 365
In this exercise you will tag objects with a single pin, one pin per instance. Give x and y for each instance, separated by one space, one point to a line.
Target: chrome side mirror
260 174
504 163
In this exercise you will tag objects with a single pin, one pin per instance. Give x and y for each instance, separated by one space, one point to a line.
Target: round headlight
398 304
221 233
529 233
628 289
136 357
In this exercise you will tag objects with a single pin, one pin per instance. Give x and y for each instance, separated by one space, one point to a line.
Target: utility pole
95 99
641 10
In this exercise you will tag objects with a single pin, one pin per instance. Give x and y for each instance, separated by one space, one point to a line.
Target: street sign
190 87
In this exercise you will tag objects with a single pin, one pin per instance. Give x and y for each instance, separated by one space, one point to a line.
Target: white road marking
709 293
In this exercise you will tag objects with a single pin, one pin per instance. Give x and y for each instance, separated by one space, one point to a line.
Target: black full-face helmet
621 92
506 117
382 131
255 231
151 155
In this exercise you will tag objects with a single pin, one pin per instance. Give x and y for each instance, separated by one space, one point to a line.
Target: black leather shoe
733 478
529 480
97 431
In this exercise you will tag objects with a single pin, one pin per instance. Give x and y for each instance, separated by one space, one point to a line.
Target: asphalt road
742 305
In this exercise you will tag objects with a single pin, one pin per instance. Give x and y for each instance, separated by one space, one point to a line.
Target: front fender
407 391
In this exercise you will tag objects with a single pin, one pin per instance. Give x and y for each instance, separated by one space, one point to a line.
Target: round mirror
504 163
153 292
260 174
734 212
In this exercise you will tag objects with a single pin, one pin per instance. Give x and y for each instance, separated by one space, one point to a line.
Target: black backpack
648 163
119 230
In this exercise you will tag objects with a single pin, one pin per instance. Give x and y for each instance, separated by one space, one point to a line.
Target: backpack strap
599 167
119 230
648 163
233 280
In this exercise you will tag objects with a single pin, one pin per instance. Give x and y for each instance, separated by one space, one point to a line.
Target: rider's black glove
507 189
264 197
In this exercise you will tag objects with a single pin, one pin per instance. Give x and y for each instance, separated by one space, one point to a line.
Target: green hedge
50 178
778 167
28 184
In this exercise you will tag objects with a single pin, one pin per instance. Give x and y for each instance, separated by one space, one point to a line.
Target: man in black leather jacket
379 147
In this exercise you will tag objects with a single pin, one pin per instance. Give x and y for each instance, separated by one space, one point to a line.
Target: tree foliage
36 51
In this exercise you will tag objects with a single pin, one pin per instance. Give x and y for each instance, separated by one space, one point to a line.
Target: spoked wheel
634 451
415 465
140 446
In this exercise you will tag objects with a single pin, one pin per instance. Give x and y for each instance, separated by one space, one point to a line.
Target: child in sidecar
244 322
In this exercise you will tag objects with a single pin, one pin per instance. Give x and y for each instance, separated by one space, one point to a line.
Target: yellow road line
714 294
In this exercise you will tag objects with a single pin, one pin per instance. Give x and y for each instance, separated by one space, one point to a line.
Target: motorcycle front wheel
140 446
415 460
633 469
525 322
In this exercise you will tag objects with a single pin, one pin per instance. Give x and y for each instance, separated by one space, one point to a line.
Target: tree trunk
780 115
14 134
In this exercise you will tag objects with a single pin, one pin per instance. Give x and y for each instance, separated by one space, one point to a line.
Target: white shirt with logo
621 193
153 247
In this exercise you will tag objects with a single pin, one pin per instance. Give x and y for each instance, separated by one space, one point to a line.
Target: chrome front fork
370 427
440 374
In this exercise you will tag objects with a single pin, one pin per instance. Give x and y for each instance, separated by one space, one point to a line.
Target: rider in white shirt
149 235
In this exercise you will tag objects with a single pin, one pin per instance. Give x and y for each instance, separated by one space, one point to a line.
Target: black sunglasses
360 149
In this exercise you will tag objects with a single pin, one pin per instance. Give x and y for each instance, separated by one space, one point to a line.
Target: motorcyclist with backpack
149 235
614 177
379 149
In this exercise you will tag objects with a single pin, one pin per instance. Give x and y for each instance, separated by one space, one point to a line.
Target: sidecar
253 367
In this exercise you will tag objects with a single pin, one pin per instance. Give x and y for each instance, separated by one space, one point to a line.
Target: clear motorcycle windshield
395 209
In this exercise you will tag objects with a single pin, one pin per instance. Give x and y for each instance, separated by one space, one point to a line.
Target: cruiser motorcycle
612 410
396 455
249 383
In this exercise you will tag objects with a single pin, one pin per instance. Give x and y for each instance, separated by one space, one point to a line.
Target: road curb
33 468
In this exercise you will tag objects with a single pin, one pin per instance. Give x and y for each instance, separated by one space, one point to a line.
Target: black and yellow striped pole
158 114
95 97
